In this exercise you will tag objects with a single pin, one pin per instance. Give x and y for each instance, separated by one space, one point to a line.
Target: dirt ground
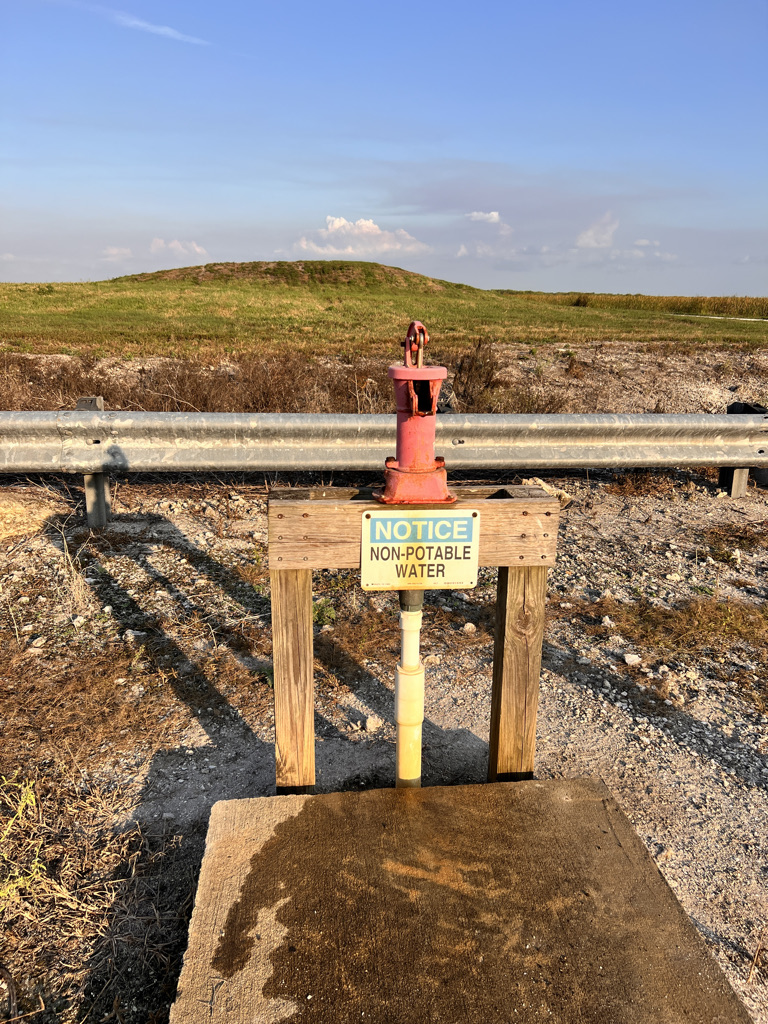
135 691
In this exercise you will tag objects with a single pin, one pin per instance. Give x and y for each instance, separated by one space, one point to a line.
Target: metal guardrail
102 442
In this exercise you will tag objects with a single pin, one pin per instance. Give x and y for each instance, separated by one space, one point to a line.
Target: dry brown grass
724 539
638 483
93 911
50 704
694 305
694 629
478 386
24 513
83 904
367 633
292 382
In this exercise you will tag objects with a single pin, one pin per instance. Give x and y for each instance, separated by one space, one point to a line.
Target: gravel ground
175 596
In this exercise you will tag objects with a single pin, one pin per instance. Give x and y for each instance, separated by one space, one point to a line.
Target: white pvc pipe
410 630
409 703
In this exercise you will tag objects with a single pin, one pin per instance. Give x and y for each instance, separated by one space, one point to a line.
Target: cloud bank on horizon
143 138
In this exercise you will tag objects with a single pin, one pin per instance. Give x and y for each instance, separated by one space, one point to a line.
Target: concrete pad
493 904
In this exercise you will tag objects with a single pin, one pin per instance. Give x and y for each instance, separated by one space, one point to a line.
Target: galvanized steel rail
102 442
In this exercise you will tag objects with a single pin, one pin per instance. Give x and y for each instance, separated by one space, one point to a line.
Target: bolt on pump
413 477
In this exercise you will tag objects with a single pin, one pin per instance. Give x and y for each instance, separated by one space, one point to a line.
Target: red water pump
415 476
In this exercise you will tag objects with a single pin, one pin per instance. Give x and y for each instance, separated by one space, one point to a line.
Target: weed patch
478 386
729 537
700 628
639 483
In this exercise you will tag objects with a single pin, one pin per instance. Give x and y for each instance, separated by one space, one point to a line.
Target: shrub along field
341 308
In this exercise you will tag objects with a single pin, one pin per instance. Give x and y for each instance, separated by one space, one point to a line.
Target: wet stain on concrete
484 904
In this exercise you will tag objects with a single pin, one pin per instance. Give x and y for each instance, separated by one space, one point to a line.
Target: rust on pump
415 476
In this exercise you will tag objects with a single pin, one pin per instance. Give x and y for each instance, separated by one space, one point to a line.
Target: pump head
415 476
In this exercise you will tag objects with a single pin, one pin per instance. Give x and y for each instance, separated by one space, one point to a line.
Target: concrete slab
526 902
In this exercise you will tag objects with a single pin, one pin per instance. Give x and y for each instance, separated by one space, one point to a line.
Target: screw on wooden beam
98 500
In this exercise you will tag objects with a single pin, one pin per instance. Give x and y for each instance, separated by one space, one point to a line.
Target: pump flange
415 476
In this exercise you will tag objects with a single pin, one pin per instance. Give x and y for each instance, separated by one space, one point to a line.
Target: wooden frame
321 529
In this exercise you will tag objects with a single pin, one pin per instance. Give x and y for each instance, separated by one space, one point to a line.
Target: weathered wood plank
294 679
319 532
520 611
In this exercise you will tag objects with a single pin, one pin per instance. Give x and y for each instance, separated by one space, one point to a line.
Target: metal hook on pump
415 341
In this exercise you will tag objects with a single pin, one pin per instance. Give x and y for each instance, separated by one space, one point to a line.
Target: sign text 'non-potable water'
420 549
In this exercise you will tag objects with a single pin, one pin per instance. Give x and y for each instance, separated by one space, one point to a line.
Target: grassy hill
339 307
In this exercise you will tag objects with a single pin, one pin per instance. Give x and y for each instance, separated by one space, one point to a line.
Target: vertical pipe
409 692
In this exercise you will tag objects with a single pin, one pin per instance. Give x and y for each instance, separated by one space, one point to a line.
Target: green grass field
341 307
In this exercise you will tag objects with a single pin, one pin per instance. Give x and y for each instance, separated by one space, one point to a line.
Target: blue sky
595 146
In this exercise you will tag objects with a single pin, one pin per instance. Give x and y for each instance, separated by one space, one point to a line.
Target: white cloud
8 257
342 237
645 241
126 20
488 218
627 254
600 234
463 251
186 248
626 258
129 21
494 217
113 253
158 245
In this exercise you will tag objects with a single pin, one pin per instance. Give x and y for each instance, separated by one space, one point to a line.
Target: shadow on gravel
450 756
225 760
682 727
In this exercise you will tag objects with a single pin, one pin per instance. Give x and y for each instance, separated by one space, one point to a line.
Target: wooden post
520 609
98 501
294 680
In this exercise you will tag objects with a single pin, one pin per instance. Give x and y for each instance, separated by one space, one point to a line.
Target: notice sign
419 549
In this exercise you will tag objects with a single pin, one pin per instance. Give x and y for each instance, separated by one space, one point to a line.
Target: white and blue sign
420 549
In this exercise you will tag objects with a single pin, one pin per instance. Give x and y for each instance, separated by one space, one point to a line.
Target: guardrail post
737 484
735 480
98 500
